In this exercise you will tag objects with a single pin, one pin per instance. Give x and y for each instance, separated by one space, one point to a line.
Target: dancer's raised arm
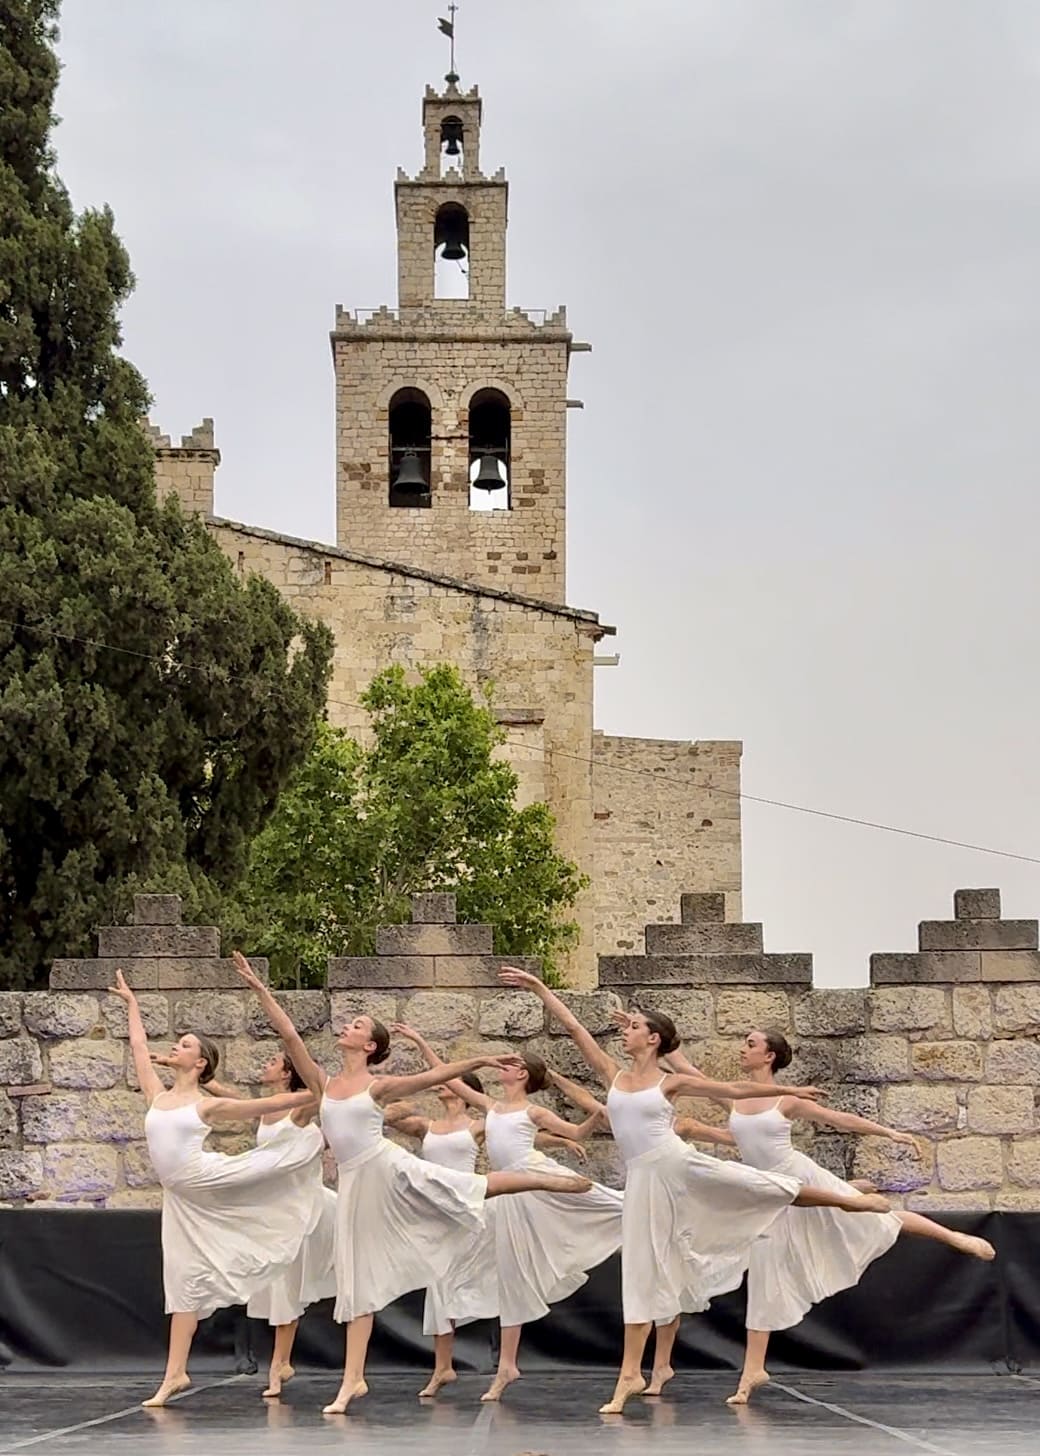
580 1096
469 1094
603 1065
388 1089
802 1108
150 1082
246 1109
313 1076
681 1085
693 1131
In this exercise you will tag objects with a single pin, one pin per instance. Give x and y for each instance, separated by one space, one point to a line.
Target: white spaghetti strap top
639 1120
509 1138
352 1125
451 1150
763 1138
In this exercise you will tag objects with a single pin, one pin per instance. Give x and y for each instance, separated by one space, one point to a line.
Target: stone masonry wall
943 1044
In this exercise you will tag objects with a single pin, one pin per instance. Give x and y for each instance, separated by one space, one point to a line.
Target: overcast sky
803 237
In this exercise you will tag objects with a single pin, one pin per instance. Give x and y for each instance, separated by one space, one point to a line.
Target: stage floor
552 1412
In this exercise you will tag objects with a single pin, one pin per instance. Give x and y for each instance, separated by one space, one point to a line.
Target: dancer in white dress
811 1253
545 1243
229 1224
399 1221
690 1219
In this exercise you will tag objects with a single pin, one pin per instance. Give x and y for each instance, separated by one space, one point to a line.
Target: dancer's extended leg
359 1332
182 1332
925 1228
499 1183
849 1202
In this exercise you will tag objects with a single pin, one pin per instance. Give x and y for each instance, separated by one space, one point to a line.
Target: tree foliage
151 705
425 806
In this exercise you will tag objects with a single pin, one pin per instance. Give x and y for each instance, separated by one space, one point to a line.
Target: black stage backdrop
83 1289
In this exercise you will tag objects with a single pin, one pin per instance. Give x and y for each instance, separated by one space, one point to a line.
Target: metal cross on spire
447 27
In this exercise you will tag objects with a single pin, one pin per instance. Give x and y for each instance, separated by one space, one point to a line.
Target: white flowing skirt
809 1254
231 1225
401 1224
312 1274
690 1223
470 1290
546 1243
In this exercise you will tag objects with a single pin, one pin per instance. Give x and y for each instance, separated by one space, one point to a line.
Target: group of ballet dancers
261 1229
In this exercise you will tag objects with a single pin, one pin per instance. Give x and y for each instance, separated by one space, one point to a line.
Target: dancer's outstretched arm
469 1095
604 1066
579 1095
386 1089
692 1131
685 1086
402 1117
150 1082
545 1140
560 1127
800 1107
246 1109
313 1076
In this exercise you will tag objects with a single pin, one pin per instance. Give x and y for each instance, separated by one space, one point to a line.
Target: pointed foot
627 1386
659 1379
438 1379
347 1394
748 1384
503 1379
166 1391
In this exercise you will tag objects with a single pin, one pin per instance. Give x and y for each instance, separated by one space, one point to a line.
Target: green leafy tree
426 806
151 706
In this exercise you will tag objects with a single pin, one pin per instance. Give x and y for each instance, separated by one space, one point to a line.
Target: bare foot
659 1379
565 1183
862 1185
627 1385
276 1379
168 1388
437 1379
978 1248
502 1379
347 1393
748 1383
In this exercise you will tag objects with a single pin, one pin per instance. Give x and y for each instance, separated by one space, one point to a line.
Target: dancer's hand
907 1139
810 1094
514 976
245 970
620 1019
507 1063
161 1059
121 989
401 1028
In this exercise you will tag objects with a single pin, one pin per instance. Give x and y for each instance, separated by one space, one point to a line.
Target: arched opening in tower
453 144
490 433
409 449
451 258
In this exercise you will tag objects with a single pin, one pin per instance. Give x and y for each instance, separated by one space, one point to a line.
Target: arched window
452 144
451 252
409 448
489 444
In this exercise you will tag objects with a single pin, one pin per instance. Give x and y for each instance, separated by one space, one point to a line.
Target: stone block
8 1121
87 1063
157 909
78 1170
48 1013
478 970
434 940
1012 1061
1001 1109
912 967
433 909
969 1162
440 1014
202 974
345 1005
210 1013
98 975
1023 1200
21 1174
1010 965
976 904
135 1198
977 935
10 1013
158 942
1017 1008
910 1008
738 1012
816 1063
831 1013
893 1166
934 1202
20 1062
947 1061
59 1117
308 1011
858 1098
706 970
351 973
155 1013
1023 1162
920 1108
243 1060
875 1059
704 938
700 907
137 1166
972 1013
833 1153
512 1014
692 1011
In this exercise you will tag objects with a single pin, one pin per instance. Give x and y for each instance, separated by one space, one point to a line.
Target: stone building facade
433 397
944 1043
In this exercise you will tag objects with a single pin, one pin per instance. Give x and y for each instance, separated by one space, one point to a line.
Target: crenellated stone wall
944 1043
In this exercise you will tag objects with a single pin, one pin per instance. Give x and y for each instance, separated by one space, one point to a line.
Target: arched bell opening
490 434
453 144
451 258
410 429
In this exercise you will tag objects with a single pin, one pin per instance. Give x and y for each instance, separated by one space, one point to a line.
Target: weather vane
447 27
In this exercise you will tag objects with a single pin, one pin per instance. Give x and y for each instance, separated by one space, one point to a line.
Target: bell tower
451 408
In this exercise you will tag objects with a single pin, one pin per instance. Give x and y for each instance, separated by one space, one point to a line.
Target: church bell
489 477
410 478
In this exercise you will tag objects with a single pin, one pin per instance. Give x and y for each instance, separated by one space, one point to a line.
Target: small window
451 252
489 445
409 448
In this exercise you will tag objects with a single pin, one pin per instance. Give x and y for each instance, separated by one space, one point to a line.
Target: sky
802 237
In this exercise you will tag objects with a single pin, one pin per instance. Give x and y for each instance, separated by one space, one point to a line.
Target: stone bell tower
451 408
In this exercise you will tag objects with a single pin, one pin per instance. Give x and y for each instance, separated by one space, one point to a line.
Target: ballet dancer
689 1219
810 1253
400 1222
546 1243
229 1224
